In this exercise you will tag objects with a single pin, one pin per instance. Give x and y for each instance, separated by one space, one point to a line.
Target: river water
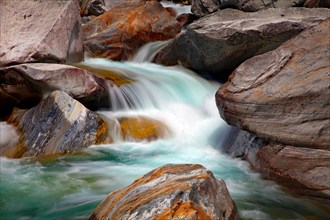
70 187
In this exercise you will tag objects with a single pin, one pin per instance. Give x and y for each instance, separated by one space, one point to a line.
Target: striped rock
182 191
58 125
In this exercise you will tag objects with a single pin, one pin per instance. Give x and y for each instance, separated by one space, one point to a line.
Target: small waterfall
148 51
152 85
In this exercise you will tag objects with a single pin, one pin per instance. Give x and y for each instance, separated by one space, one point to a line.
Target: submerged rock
185 191
40 31
216 44
283 95
142 129
24 85
58 125
118 33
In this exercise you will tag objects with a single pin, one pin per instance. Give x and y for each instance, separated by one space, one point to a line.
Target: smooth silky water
70 187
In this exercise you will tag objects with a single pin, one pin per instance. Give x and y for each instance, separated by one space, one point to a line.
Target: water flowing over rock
303 170
24 85
283 95
216 44
118 33
186 191
40 31
58 125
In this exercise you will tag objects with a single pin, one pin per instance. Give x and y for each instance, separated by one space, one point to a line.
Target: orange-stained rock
40 31
284 95
142 129
118 33
58 125
173 191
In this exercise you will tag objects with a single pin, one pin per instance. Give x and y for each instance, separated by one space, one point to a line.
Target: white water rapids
70 187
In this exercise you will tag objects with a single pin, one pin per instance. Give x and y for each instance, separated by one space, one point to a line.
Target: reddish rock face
283 95
119 32
173 191
40 31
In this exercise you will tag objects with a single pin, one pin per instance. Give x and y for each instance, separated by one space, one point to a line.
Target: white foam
8 135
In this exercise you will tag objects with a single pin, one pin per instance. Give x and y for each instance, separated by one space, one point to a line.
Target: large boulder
24 85
283 95
118 33
216 44
40 31
58 125
185 191
302 170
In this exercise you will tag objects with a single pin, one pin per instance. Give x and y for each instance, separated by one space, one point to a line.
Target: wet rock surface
58 125
185 191
142 128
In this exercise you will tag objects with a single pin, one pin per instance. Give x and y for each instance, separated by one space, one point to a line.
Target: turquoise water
70 187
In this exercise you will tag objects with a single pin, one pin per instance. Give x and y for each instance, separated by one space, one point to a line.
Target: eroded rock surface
118 33
185 191
284 95
58 125
216 44
40 31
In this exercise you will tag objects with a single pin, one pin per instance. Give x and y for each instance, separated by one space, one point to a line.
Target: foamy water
70 187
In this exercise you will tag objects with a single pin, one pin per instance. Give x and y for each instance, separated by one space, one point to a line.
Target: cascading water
70 187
